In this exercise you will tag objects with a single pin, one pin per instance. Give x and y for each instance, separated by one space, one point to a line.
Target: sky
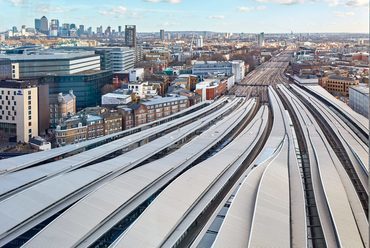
234 16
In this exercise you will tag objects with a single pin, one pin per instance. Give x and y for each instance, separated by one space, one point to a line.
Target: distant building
238 69
130 35
18 110
122 58
38 25
5 69
162 35
210 89
44 28
54 63
54 27
261 39
71 131
215 68
105 58
86 86
136 74
61 106
115 99
88 124
359 99
186 81
200 41
158 54
8 70
127 117
112 122
142 89
40 144
158 107
338 85
65 30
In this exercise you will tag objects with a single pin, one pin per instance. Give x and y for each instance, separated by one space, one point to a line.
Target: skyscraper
261 39
130 35
65 30
81 30
37 25
161 34
54 27
200 41
44 25
120 29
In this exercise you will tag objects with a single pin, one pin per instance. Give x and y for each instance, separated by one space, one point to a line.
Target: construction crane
191 45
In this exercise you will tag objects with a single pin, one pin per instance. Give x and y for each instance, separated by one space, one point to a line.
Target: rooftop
362 89
117 95
17 84
160 100
51 55
336 77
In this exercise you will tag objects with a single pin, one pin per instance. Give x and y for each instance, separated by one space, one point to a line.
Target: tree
108 88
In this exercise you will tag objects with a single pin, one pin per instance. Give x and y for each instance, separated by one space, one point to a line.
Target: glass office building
86 86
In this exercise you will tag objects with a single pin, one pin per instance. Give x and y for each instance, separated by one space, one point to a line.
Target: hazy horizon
233 16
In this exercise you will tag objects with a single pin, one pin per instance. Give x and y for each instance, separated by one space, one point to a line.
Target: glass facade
86 87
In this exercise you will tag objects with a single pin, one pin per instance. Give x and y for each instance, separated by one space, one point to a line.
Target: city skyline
247 16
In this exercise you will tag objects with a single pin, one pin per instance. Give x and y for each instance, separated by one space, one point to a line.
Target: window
29 123
29 97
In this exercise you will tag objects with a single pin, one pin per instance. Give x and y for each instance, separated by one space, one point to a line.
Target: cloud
18 2
164 1
169 24
284 2
245 9
115 11
216 17
333 3
344 14
261 7
44 8
357 3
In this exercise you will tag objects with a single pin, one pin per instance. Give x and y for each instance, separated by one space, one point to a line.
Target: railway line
84 180
274 157
152 176
39 158
331 185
